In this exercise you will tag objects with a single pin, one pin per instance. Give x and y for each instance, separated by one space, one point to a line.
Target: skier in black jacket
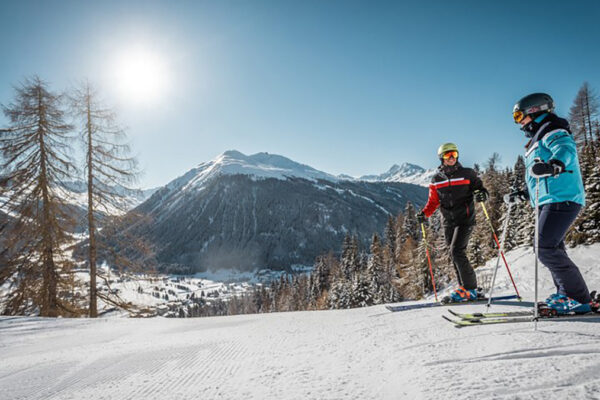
453 188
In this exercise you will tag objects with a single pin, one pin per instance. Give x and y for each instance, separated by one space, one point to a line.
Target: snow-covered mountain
407 173
75 195
75 192
260 165
263 210
365 353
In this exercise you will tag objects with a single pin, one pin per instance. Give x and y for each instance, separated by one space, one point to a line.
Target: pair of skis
477 319
445 304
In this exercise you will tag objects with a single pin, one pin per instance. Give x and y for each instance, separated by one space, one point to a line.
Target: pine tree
521 220
361 292
390 238
349 257
340 295
376 271
583 113
35 147
587 226
411 226
442 265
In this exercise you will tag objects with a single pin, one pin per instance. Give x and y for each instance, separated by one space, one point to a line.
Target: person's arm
433 201
562 146
477 186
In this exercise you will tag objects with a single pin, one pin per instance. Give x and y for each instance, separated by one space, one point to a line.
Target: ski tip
455 323
453 312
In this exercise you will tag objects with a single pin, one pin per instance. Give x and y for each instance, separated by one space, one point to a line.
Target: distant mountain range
75 195
265 210
260 211
407 173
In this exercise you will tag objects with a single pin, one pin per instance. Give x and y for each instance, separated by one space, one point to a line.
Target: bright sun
141 75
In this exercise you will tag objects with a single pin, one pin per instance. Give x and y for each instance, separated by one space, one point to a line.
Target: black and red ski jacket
451 189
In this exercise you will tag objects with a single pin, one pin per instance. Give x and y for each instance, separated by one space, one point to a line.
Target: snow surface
366 353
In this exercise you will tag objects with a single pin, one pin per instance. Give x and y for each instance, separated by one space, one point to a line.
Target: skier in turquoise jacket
551 157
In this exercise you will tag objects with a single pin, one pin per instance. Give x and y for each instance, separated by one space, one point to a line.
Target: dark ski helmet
446 147
532 105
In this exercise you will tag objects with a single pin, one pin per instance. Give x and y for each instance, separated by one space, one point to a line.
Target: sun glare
141 76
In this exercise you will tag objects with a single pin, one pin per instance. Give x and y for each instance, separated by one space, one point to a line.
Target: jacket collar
447 170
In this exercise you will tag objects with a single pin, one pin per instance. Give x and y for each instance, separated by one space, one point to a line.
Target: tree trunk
91 223
49 306
589 119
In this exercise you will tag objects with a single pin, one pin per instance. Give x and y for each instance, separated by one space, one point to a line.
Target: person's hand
421 218
552 168
516 197
480 195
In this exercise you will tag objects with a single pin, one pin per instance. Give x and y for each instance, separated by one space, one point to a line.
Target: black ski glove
421 218
552 168
516 197
481 195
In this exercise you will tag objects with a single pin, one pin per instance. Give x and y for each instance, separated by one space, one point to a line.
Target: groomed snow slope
365 353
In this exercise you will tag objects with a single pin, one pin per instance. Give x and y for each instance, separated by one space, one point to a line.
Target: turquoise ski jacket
553 141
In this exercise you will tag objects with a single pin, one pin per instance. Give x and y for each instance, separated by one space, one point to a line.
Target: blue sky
344 86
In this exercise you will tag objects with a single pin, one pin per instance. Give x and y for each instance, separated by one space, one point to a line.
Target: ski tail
517 319
501 314
487 321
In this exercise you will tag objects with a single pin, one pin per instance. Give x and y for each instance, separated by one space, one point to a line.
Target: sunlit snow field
366 353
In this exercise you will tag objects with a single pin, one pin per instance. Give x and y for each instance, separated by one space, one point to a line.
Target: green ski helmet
446 147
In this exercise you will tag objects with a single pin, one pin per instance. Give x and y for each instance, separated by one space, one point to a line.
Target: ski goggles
518 116
449 154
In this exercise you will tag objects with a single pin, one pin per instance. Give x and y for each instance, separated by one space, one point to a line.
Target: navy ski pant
457 239
555 220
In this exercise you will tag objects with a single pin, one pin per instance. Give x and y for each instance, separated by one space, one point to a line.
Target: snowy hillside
76 193
406 173
366 353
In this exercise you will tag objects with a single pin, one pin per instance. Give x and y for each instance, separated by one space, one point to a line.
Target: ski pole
499 248
428 259
536 249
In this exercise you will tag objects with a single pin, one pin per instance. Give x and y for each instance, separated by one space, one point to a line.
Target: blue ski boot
460 294
562 305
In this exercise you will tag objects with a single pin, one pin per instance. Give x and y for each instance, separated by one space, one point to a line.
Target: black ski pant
457 239
555 220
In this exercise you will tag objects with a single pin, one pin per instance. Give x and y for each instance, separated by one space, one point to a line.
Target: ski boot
559 304
595 303
545 311
460 294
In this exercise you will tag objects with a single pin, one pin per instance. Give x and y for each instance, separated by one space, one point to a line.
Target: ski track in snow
366 353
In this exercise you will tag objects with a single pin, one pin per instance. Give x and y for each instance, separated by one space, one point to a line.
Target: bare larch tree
583 115
35 148
108 166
